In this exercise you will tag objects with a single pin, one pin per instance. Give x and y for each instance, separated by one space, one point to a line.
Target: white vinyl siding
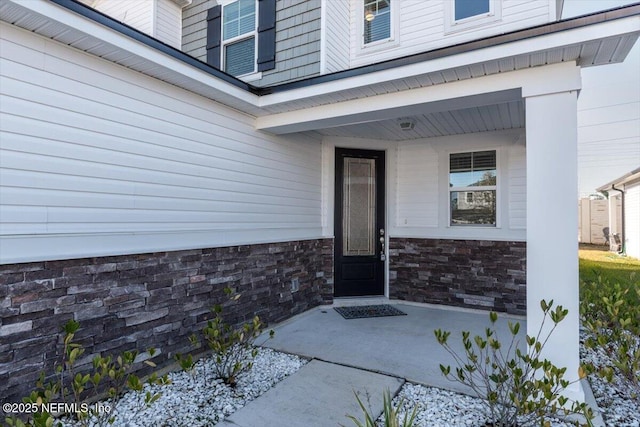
422 190
138 13
336 31
103 160
632 219
418 185
517 170
421 27
169 23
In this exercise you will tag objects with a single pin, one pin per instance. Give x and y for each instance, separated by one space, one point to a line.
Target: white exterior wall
161 19
420 26
632 219
168 22
335 31
417 184
423 187
138 13
103 160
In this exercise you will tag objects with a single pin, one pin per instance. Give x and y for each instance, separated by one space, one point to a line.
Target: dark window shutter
266 35
214 36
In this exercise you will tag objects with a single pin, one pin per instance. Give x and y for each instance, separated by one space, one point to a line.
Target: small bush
232 347
611 315
391 414
71 387
519 388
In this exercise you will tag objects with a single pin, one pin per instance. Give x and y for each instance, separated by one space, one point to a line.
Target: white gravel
441 408
619 407
195 399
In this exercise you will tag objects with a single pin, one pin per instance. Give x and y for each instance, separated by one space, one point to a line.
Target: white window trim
497 188
378 45
251 76
452 26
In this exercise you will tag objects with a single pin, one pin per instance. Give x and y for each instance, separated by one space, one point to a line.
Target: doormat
363 311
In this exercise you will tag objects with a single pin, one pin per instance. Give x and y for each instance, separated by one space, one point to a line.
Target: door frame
382 208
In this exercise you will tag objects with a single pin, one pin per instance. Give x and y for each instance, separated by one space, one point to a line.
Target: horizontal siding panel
175 116
166 171
517 191
201 189
417 186
103 151
168 25
107 147
77 199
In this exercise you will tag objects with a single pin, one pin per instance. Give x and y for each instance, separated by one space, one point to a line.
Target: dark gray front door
359 222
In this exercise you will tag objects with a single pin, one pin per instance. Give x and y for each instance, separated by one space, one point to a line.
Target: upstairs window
237 32
472 188
377 20
467 8
461 15
239 22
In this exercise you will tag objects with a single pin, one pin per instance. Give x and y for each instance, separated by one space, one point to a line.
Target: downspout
623 248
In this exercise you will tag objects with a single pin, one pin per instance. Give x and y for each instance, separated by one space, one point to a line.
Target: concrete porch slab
320 394
400 346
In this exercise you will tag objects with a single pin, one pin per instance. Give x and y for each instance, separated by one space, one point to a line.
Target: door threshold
365 300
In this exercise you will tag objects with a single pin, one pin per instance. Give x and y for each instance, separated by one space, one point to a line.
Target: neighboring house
138 181
624 212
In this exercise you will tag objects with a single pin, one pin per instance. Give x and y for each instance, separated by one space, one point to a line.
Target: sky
608 111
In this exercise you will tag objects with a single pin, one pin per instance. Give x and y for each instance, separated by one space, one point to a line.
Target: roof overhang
596 39
632 176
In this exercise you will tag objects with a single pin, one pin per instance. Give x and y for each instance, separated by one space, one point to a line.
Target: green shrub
611 315
76 389
232 347
519 388
390 413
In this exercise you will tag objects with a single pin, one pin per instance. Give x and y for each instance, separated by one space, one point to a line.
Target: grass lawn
598 261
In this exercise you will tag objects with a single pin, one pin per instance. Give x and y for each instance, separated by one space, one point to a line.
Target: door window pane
468 8
359 207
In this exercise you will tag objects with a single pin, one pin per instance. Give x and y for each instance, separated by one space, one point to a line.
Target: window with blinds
377 20
239 37
472 188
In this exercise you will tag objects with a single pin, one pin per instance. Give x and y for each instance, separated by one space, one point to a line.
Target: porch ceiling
507 115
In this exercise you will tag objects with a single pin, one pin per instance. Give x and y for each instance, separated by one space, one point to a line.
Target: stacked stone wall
150 300
482 274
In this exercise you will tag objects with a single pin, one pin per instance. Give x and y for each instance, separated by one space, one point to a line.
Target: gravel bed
195 399
619 408
442 408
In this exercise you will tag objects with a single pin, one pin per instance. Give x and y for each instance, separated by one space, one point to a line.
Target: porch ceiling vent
407 124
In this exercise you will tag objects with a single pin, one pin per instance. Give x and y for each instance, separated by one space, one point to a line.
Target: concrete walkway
359 355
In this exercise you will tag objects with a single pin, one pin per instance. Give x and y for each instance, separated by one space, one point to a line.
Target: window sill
377 46
251 77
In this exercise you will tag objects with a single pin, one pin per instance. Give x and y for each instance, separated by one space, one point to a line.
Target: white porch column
552 223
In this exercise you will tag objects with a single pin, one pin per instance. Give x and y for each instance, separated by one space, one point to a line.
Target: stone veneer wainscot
482 274
149 300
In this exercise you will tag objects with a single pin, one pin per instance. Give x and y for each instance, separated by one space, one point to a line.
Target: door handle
382 242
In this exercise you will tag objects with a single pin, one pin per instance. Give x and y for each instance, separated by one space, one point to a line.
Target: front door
359 223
